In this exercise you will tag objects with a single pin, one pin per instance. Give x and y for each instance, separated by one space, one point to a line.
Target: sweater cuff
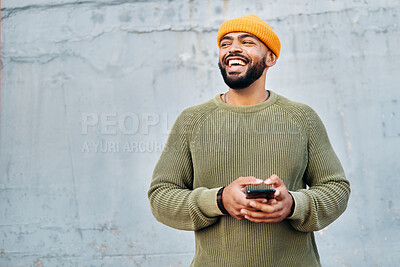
300 206
207 201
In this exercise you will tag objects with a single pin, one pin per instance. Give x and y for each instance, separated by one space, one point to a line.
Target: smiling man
249 137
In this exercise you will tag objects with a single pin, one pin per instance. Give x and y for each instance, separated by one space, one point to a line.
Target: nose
235 47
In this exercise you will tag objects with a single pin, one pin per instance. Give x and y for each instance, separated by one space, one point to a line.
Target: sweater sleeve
327 195
172 198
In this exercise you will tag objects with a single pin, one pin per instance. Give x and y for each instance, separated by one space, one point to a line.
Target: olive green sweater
214 143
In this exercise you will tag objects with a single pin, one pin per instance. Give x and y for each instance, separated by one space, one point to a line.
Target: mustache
236 55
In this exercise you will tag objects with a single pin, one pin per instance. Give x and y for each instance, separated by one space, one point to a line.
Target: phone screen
260 193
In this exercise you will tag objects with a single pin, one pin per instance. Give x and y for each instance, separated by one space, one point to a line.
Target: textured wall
90 89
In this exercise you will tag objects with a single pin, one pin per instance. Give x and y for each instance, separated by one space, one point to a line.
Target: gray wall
90 89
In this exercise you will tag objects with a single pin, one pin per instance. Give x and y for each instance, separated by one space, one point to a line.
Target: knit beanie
255 26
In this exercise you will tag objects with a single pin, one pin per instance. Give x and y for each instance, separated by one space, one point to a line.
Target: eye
224 44
248 42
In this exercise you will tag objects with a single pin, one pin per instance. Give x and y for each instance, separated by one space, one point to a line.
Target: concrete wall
90 89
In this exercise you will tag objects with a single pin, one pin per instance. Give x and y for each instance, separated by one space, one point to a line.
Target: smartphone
260 193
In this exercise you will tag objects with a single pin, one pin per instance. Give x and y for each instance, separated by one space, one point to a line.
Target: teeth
236 62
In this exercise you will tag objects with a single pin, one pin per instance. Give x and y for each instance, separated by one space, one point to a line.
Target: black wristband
219 201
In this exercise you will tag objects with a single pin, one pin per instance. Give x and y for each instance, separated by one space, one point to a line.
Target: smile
236 62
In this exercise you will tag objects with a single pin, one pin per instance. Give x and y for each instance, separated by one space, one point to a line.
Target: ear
271 59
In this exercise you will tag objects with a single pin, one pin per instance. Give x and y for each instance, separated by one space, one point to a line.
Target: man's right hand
234 198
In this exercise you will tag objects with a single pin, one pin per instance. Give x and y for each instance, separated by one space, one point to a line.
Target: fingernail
244 212
253 204
268 181
259 180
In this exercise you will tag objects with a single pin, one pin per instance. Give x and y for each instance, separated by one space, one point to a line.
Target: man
248 137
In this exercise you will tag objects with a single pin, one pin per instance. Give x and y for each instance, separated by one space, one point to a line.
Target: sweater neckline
246 109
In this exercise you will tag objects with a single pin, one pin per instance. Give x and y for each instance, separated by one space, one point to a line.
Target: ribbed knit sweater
214 143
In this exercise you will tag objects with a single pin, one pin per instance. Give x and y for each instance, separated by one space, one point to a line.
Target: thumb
274 180
243 181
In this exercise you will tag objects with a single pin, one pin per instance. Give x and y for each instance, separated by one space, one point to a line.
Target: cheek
221 56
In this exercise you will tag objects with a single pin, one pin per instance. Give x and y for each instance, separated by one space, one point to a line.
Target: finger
282 195
246 205
274 180
263 207
277 193
260 215
242 202
261 200
272 201
250 209
243 181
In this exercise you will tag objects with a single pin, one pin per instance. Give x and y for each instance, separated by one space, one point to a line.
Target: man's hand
234 198
276 210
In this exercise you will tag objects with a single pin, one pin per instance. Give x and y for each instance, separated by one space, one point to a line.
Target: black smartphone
260 193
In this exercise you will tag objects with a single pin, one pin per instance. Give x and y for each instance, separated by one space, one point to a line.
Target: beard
252 74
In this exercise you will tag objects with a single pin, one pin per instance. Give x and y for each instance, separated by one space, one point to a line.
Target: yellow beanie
255 26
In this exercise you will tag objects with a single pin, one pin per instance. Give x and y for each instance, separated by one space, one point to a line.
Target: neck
252 95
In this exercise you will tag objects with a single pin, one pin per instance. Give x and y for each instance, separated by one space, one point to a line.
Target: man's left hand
276 210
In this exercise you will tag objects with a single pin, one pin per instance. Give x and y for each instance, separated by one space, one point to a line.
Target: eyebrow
242 36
